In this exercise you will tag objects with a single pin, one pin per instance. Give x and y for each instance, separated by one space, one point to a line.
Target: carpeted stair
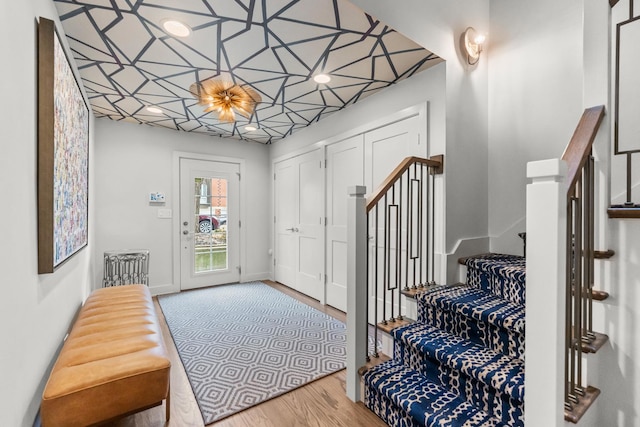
462 362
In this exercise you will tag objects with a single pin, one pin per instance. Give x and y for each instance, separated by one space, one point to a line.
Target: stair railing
560 235
400 222
395 248
579 255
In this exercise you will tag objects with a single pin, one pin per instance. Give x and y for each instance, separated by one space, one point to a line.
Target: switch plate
164 213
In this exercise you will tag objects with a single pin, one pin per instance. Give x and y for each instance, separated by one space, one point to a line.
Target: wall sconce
472 42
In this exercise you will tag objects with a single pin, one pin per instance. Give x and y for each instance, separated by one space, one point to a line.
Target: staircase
462 362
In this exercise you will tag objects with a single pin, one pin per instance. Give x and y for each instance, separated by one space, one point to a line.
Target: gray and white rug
246 343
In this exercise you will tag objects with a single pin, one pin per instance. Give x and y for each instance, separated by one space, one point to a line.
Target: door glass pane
210 248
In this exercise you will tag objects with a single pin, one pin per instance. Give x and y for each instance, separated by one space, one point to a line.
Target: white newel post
545 293
356 289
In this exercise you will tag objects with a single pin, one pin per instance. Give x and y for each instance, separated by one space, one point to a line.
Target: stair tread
509 266
499 371
426 402
477 304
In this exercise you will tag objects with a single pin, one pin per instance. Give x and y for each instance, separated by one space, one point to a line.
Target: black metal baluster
390 288
375 287
409 230
430 199
366 303
385 283
421 228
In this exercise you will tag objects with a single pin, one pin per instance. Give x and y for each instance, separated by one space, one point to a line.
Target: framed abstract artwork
63 154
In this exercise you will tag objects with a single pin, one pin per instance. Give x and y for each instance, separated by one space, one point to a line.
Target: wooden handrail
435 162
579 147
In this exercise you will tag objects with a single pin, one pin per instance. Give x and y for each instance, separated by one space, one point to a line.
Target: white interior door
345 168
299 207
209 223
385 148
286 221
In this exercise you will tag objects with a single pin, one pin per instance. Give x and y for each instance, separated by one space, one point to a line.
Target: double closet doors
312 258
299 223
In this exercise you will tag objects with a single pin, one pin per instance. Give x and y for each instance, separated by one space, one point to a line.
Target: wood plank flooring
322 403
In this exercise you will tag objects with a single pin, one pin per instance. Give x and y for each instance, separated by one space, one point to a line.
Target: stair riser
386 410
498 339
392 389
481 395
503 287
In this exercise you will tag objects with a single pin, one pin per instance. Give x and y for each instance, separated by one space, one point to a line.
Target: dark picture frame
63 154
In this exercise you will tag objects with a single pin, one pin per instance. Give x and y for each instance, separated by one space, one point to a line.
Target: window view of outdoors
210 247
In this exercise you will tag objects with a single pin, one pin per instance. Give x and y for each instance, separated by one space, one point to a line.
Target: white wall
35 310
437 26
618 375
535 101
133 160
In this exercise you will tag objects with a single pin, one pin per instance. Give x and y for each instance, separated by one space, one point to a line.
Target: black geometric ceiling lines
128 62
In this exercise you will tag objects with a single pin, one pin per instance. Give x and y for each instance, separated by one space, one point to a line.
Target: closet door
345 168
299 208
385 148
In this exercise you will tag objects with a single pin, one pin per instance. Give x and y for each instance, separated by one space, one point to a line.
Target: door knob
290 229
185 232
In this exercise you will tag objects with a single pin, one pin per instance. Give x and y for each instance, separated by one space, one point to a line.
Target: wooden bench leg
167 403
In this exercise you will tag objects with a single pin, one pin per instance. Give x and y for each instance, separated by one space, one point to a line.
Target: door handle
293 229
185 232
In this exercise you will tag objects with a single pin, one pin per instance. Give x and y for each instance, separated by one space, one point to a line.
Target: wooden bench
113 363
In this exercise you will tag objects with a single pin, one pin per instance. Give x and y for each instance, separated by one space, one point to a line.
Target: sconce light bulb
480 38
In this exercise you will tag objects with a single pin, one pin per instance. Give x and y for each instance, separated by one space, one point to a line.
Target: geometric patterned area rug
242 344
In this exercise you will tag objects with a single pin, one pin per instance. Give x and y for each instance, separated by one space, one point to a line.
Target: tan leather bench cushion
113 362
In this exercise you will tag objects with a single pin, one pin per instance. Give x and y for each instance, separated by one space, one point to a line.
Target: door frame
175 223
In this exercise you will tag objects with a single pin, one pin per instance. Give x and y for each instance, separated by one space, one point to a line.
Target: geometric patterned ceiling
127 61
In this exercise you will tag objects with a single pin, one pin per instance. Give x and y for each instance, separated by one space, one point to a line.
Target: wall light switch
164 213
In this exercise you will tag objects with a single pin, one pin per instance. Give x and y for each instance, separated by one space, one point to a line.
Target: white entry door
299 237
209 223
345 168
385 148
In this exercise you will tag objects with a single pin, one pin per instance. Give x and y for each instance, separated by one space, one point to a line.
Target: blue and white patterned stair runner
462 362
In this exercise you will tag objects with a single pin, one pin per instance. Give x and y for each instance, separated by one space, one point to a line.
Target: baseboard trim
169 288
464 248
253 277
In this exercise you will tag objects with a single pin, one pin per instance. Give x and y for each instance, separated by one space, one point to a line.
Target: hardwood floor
322 403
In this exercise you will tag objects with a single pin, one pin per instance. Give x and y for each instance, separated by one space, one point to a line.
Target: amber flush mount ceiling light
226 98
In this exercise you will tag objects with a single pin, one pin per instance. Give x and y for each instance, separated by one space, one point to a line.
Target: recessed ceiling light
322 78
250 128
176 28
154 110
